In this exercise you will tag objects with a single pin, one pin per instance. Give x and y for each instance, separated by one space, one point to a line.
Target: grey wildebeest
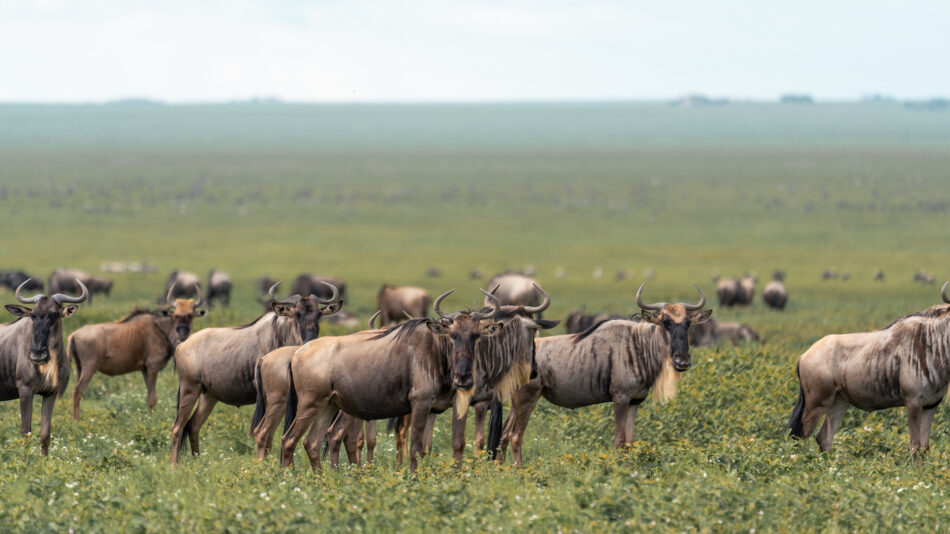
729 291
615 361
312 284
514 289
906 364
413 368
32 359
143 340
219 288
217 364
14 279
711 332
181 285
775 294
395 301
577 321
64 281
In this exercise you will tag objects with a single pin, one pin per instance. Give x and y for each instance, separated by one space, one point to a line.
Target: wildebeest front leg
26 411
335 436
430 429
151 396
402 439
264 436
318 432
46 423
621 407
420 419
481 409
522 404
205 404
631 424
832 423
458 436
914 417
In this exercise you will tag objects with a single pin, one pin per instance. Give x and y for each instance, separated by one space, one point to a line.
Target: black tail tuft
494 426
393 424
291 400
261 405
795 424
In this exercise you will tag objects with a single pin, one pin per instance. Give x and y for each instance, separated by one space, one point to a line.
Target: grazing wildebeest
392 301
747 289
218 364
879 275
729 292
32 359
615 361
14 279
143 340
775 294
219 288
312 284
829 274
577 321
413 368
514 289
182 285
924 277
476 274
906 364
64 281
433 272
711 332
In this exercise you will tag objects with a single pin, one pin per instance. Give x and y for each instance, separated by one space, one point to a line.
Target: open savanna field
379 194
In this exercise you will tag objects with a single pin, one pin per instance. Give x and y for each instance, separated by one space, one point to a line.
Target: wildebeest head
182 312
464 329
675 320
46 314
307 311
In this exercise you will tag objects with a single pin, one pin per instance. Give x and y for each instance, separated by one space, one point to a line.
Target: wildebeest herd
331 390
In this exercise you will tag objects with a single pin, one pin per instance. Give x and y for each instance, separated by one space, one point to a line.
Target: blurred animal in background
14 279
924 277
433 272
219 288
712 332
775 294
879 275
314 284
180 285
577 321
64 281
394 302
514 289
829 274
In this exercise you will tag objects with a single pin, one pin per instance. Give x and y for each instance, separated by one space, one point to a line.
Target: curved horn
272 292
200 296
438 300
495 306
372 320
544 304
61 299
702 301
334 298
943 293
656 307
171 288
32 300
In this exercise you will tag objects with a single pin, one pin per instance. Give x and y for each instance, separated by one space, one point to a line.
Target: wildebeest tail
261 399
291 400
494 426
795 424
393 424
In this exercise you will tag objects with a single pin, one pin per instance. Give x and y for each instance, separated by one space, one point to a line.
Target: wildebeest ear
19 311
283 309
201 313
700 317
492 329
546 324
164 312
650 317
437 328
332 308
69 310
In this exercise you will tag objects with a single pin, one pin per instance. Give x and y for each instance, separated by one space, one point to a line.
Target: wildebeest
413 368
14 279
433 272
906 364
729 292
392 301
775 294
577 321
615 361
747 289
514 289
829 274
312 284
924 277
143 340
181 285
32 359
64 281
219 288
879 275
711 332
217 364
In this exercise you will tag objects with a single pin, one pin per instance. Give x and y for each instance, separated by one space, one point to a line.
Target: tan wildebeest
712 332
616 361
514 289
393 301
413 368
143 340
217 364
906 364
775 294
32 358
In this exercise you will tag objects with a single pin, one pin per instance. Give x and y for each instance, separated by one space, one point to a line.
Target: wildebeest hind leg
914 419
26 411
187 395
205 404
631 423
430 429
318 433
832 423
621 407
264 436
458 437
481 410
522 404
420 419
85 375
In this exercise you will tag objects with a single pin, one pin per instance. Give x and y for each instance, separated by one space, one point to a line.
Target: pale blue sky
438 50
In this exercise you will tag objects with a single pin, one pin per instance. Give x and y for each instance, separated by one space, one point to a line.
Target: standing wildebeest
32 359
513 289
412 368
143 341
747 289
577 321
615 361
879 275
219 288
711 332
182 285
64 281
218 364
906 364
395 301
14 279
775 295
729 292
312 284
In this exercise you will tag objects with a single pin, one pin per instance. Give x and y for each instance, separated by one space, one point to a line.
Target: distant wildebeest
775 294
924 277
416 367
217 364
614 361
343 319
577 321
476 274
433 272
845 276
621 276
513 289
182 285
219 288
312 284
829 274
729 292
906 364
14 279
32 358
712 332
392 301
64 281
143 340
879 275
747 289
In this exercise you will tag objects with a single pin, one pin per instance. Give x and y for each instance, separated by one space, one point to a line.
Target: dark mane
135 313
252 323
580 336
933 312
401 330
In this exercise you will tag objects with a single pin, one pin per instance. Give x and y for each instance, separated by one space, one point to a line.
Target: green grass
376 195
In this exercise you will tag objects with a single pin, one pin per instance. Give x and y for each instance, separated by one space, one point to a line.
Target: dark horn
702 301
656 307
66 299
495 307
334 298
943 293
32 300
372 320
544 304
438 300
410 317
